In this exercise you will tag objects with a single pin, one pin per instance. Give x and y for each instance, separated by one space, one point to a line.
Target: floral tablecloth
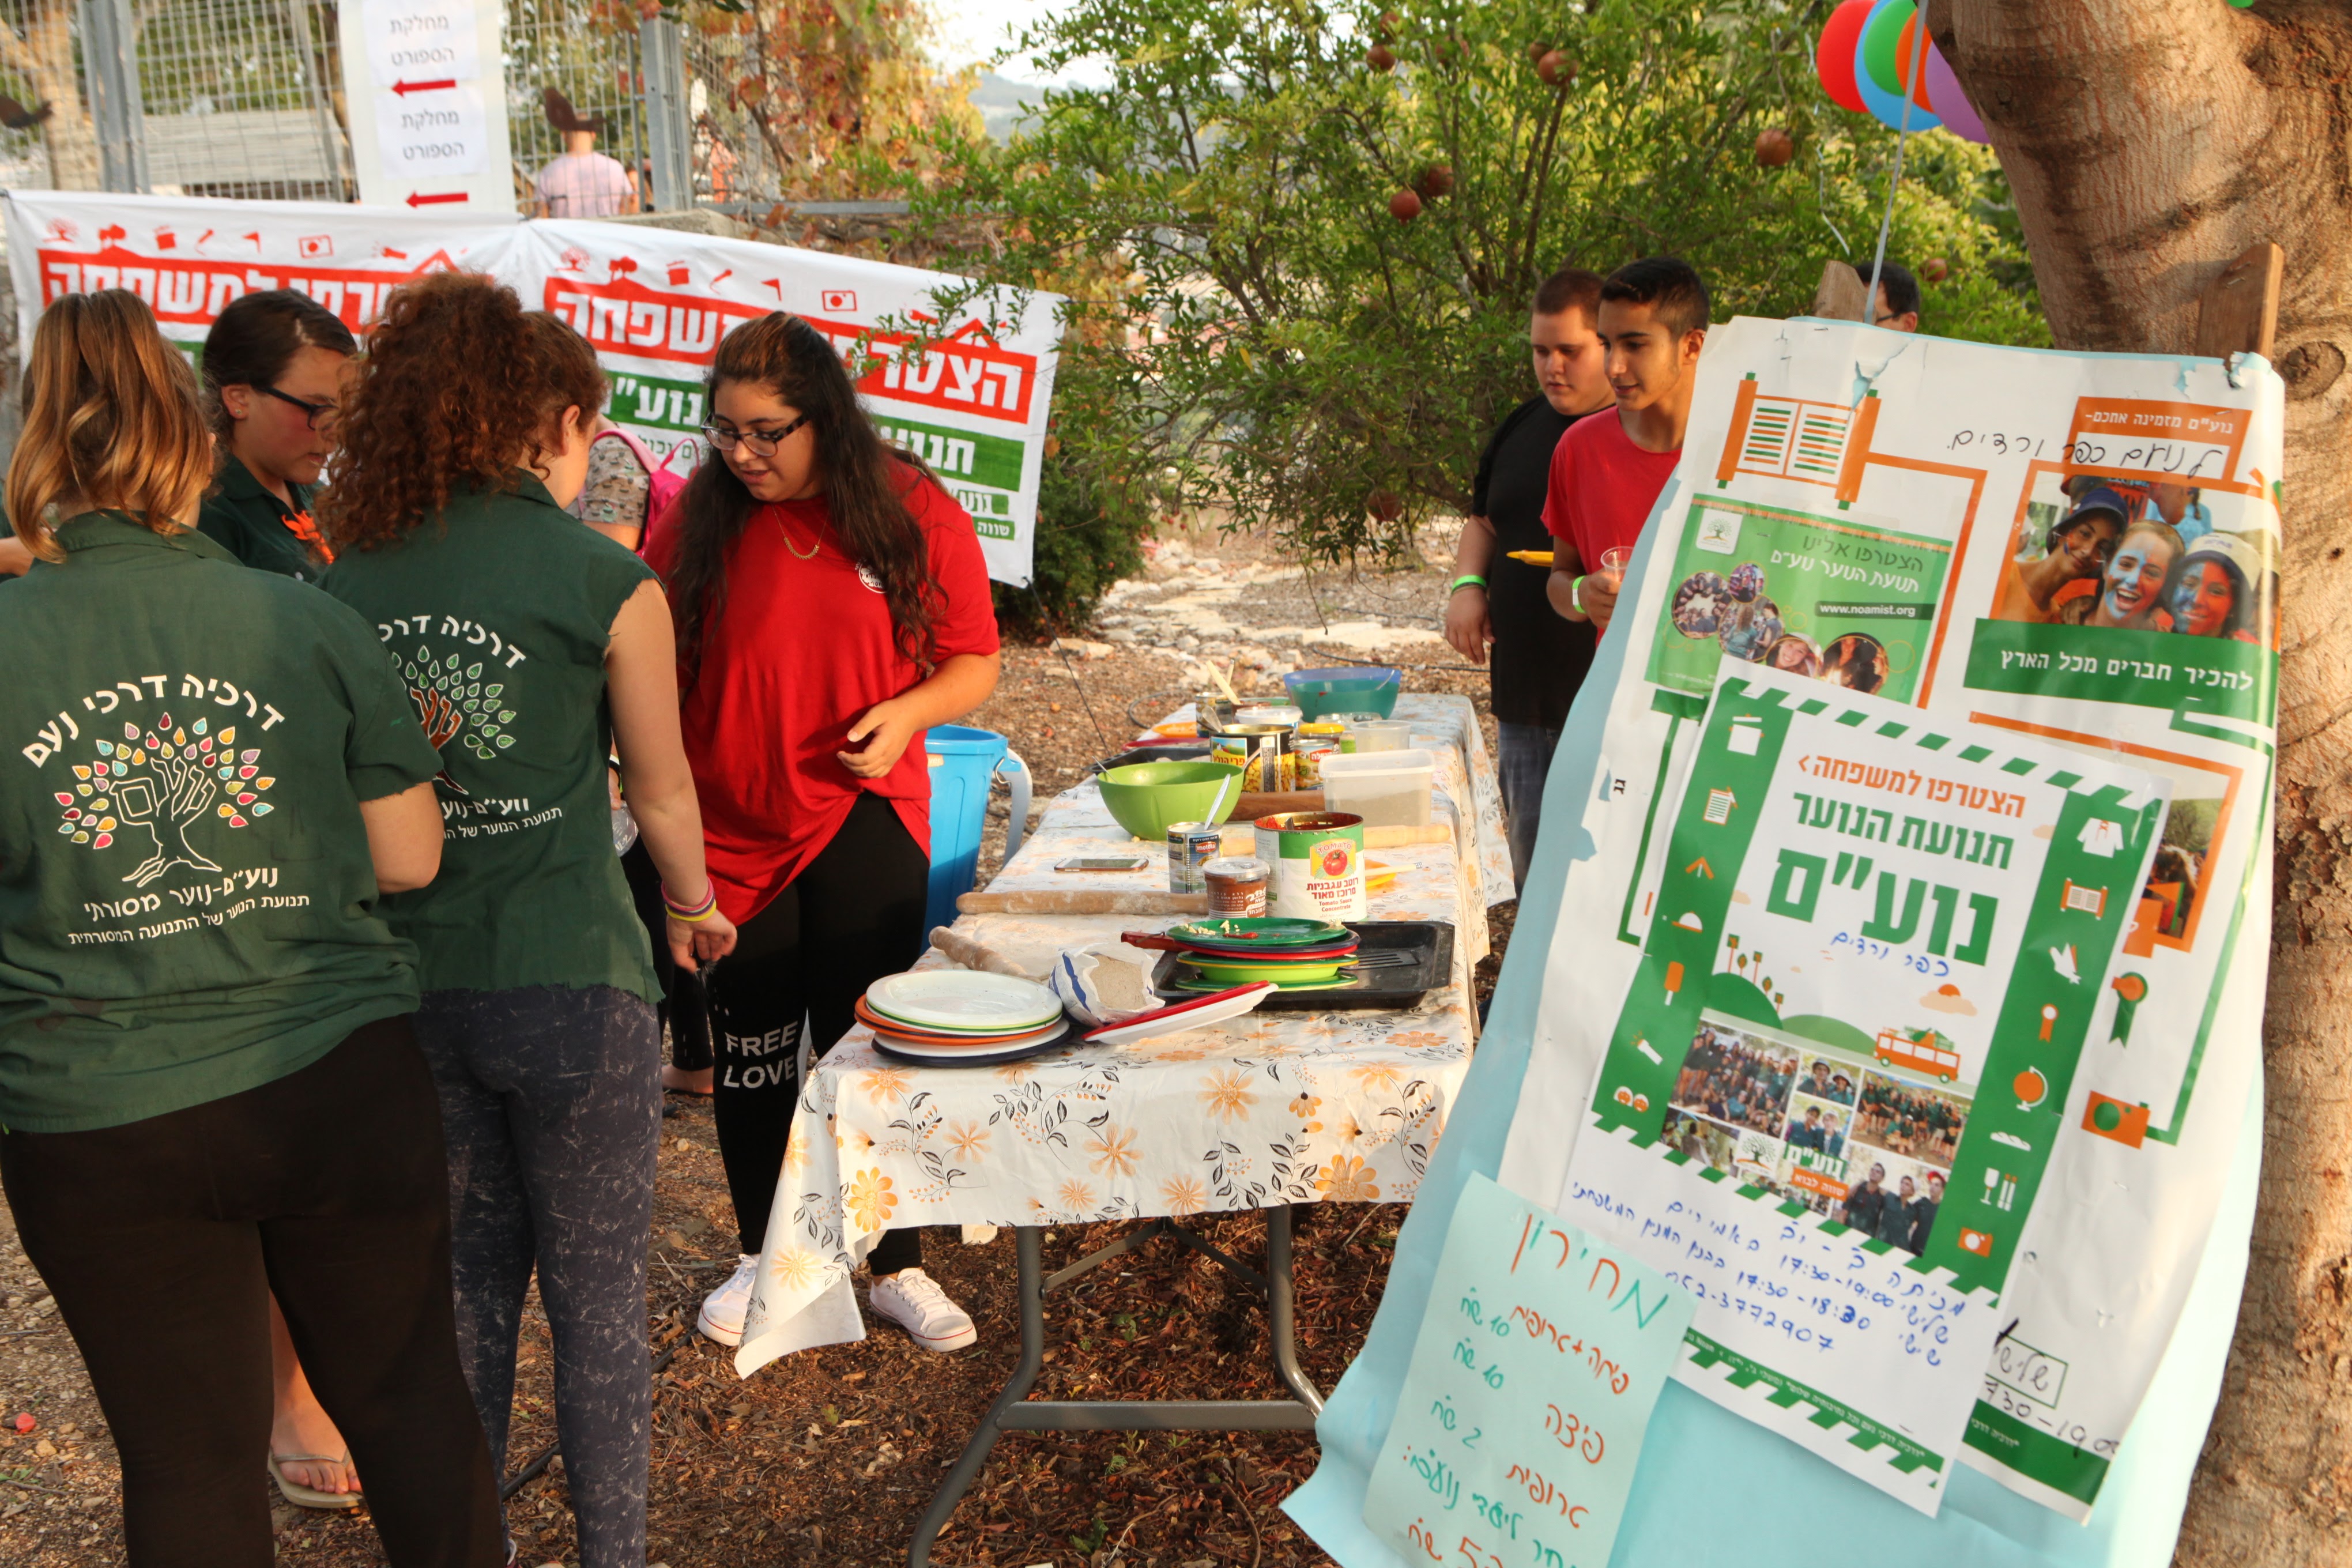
1271 1108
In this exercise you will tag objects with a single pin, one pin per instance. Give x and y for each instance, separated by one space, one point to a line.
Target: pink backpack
662 485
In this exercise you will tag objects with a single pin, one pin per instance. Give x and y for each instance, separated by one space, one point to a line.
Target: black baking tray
1398 986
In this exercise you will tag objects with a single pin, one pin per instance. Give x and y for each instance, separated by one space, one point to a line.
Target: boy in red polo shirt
1606 471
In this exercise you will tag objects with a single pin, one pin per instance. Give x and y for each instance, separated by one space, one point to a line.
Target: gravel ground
830 1457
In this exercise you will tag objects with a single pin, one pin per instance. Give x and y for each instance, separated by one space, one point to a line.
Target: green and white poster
1830 1099
2034 553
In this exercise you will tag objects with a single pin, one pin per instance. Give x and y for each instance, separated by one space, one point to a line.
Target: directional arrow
1701 866
405 88
419 199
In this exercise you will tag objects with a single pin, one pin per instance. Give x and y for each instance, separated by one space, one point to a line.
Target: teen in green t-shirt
529 645
273 367
209 1086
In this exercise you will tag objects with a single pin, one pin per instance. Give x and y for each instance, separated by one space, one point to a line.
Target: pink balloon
1949 103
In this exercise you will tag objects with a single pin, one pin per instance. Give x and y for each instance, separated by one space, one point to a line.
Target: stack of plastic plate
961 1017
1295 954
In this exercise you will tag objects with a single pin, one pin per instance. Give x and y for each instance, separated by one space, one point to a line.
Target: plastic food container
1381 735
1351 689
1387 789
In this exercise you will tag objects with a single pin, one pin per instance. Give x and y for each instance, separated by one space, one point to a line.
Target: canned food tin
1237 885
1262 752
1191 846
1318 859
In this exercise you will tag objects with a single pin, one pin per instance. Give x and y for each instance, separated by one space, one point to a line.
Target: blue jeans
550 1107
1525 761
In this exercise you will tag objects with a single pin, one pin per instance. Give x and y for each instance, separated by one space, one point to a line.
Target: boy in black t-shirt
1540 657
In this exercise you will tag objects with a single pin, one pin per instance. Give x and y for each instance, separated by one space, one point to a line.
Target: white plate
1183 1016
978 1043
963 999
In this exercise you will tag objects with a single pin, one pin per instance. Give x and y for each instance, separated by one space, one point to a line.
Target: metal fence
564 44
734 161
244 98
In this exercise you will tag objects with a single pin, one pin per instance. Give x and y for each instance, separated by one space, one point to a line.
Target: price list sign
1539 1361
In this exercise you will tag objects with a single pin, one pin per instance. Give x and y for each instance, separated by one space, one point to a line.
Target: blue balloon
1887 107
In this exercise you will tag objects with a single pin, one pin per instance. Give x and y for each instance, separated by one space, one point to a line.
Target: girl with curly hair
831 606
530 647
199 1113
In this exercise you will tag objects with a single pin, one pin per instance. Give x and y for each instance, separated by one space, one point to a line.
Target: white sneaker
721 1317
911 1299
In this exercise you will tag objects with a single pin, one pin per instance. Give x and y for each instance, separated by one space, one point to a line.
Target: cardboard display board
2033 554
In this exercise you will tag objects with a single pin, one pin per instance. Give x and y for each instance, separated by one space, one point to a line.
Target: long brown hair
865 490
111 421
459 385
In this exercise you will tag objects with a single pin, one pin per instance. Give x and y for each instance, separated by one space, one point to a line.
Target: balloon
1906 47
1944 91
1873 71
1834 61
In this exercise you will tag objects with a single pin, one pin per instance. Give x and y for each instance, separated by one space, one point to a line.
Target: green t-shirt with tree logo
496 616
187 905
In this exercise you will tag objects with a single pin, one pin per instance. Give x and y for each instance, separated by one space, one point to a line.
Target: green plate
1206 987
1244 932
1288 976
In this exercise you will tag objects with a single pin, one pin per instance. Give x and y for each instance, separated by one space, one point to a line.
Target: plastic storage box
1387 789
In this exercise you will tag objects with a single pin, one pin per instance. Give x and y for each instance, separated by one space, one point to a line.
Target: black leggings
853 915
163 1240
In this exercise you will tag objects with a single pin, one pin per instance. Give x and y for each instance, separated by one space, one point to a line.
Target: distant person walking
583 183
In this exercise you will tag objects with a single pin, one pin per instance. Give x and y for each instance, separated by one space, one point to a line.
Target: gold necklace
814 550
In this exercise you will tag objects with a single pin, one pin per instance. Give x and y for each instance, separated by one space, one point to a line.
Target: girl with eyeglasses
531 649
273 366
831 605
210 1092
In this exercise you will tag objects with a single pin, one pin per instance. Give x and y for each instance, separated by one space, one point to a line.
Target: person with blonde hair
209 1092
531 647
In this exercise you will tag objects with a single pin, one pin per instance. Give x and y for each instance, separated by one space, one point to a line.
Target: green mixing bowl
1146 797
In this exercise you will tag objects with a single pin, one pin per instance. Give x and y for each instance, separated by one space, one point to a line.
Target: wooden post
2237 313
1841 295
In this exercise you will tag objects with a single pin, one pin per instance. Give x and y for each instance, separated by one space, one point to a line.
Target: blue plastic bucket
962 763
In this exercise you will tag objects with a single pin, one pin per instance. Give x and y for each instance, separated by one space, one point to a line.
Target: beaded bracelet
699 913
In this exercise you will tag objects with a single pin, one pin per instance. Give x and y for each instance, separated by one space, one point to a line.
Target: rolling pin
1073 901
971 955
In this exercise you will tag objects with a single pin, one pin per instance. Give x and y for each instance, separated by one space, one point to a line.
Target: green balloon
1882 36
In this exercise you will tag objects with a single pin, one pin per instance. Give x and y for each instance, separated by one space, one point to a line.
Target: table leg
1279 1327
1013 1411
1029 1248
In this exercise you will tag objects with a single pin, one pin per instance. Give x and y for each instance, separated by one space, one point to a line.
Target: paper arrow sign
405 88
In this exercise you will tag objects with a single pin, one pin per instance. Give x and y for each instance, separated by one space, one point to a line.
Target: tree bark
2148 142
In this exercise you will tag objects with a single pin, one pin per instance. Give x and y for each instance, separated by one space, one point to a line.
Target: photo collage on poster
1866 1142
2100 551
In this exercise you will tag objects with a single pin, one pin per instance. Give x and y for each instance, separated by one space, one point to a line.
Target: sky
971 31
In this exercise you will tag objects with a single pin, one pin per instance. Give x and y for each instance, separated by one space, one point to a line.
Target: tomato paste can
1191 846
1318 859
1237 885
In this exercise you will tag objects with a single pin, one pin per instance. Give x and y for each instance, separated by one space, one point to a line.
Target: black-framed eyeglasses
320 414
762 442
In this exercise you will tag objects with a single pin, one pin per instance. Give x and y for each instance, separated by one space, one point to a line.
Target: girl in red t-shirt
831 606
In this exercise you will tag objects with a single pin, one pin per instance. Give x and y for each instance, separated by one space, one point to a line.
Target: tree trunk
2148 142
72 141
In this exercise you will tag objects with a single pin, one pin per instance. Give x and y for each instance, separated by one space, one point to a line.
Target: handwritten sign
1540 1361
